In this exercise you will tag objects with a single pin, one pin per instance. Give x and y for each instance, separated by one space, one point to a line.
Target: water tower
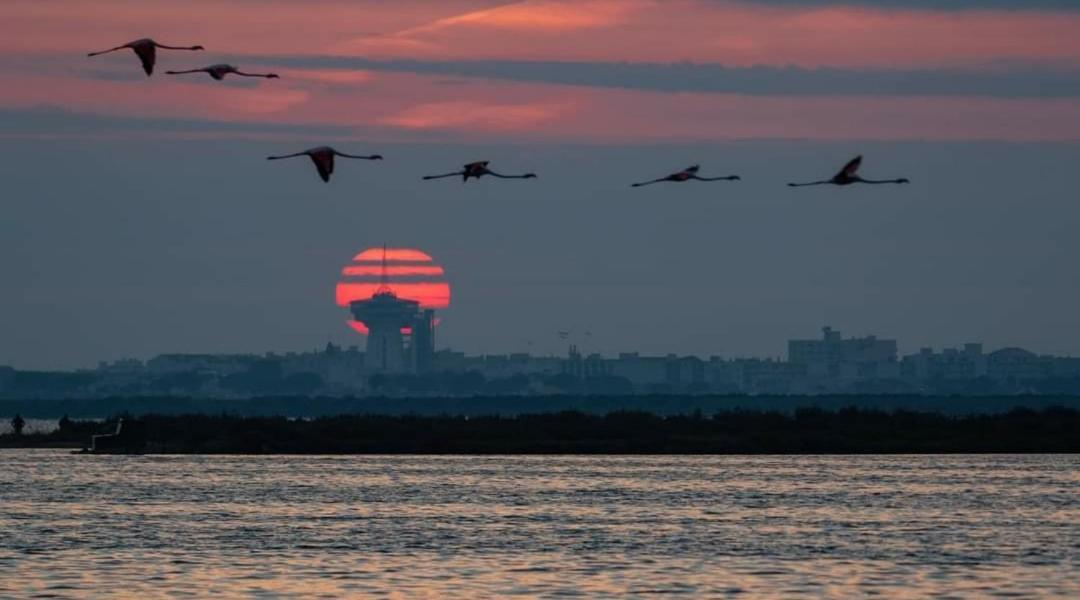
398 312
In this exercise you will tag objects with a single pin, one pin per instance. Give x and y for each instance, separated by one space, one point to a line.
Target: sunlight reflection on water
781 527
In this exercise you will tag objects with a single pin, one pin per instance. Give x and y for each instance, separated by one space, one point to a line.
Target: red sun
409 273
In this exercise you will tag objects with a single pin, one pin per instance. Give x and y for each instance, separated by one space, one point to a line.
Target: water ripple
468 527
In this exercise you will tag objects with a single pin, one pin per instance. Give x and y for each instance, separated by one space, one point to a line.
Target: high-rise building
400 328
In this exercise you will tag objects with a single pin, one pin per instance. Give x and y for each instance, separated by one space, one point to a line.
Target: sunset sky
140 216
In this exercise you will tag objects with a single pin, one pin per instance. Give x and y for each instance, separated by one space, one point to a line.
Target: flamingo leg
106 51
725 178
372 157
286 156
455 174
644 183
494 174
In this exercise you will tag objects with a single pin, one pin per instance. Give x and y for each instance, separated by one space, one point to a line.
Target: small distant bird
219 72
685 175
323 157
478 169
146 50
848 175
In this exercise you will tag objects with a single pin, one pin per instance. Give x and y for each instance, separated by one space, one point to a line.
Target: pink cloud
734 33
485 116
235 27
730 32
402 106
49 39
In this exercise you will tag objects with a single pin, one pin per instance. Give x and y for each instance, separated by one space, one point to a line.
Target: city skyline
579 344
406 366
169 232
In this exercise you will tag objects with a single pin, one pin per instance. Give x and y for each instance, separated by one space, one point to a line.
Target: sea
956 526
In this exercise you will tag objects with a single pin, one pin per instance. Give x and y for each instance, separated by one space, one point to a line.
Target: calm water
780 527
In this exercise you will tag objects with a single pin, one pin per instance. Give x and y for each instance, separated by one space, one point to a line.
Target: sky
140 217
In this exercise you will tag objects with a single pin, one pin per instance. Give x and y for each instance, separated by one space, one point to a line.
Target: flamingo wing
147 54
851 168
324 164
692 169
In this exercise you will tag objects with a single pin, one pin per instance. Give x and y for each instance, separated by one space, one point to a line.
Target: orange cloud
540 15
734 33
486 116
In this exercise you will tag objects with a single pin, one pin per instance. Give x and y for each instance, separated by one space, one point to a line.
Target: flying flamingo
146 50
848 175
685 175
219 72
478 169
323 157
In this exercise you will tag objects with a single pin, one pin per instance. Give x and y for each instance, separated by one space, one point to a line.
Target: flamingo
478 169
685 175
219 72
323 157
146 50
848 175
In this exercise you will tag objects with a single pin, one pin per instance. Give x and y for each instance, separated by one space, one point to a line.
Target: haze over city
140 216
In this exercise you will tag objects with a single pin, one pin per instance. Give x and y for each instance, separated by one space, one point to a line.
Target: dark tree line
849 430
292 405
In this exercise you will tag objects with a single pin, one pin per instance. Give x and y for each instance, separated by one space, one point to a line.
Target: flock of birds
323 156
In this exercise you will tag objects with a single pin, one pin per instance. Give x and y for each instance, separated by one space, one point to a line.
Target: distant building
592 365
498 366
685 372
1018 365
204 364
640 370
400 335
843 361
766 376
341 370
950 364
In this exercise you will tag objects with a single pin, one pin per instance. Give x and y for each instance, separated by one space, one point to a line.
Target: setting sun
409 273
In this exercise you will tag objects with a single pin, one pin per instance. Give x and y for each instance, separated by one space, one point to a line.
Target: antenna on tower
384 288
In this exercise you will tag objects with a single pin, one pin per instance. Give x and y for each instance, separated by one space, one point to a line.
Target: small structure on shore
105 441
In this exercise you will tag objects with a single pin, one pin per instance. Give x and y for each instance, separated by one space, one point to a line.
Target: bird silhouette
685 175
478 169
219 72
849 175
323 157
146 50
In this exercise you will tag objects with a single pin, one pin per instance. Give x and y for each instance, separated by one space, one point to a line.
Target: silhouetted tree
17 424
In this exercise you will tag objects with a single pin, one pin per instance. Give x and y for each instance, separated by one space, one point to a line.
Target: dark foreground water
465 527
